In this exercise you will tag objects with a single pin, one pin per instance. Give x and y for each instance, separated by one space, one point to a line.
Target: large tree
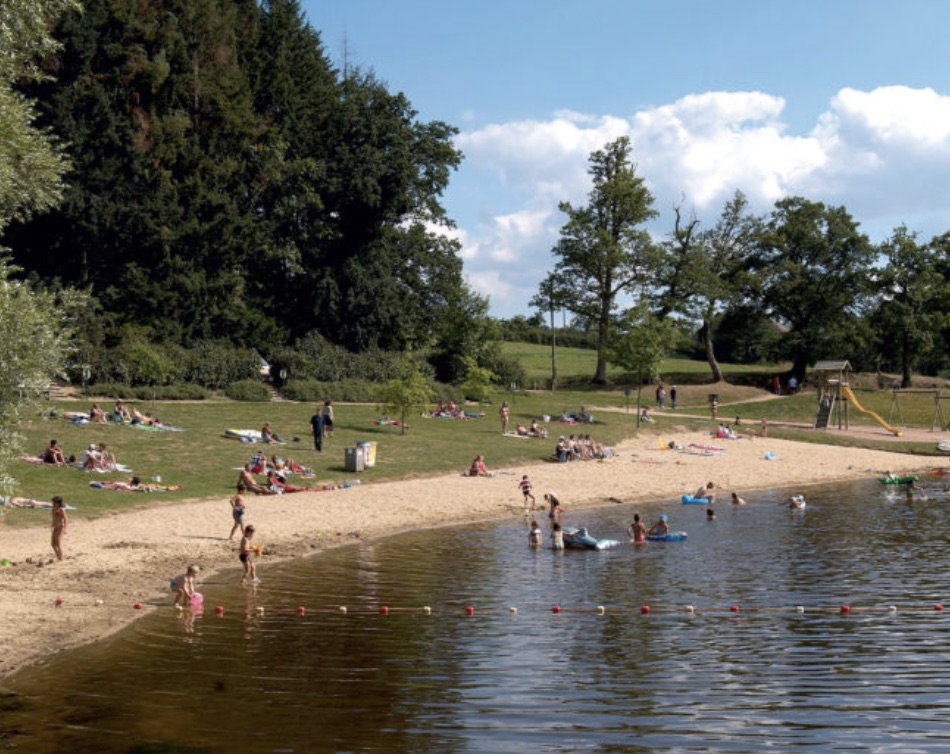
603 250
704 270
34 326
228 183
31 159
811 263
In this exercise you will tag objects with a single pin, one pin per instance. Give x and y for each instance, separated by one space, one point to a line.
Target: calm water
535 681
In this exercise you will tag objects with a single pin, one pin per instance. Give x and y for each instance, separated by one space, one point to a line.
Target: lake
516 676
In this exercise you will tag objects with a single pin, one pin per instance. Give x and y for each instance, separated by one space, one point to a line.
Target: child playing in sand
183 586
525 486
557 537
534 536
58 526
238 510
246 556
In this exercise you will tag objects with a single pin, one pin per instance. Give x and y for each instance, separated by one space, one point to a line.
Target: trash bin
369 453
353 459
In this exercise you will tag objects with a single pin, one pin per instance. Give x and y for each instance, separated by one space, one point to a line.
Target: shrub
248 390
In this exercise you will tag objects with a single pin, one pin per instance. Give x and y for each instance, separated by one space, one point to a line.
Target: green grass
578 364
203 461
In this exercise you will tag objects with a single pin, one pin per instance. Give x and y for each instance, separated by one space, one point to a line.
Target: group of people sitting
581 448
532 430
578 417
96 457
275 484
452 410
260 464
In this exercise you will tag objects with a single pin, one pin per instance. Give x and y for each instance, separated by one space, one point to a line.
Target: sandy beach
116 561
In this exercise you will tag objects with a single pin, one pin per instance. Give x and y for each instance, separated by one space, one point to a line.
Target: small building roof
832 366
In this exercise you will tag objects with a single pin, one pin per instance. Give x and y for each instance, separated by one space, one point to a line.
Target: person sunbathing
54 454
97 415
276 482
247 479
268 436
90 458
478 467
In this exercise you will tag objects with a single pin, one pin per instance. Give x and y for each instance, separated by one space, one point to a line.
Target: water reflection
272 680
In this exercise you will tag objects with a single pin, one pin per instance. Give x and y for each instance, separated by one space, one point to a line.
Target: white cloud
884 154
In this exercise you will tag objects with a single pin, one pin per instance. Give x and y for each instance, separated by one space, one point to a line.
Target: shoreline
125 558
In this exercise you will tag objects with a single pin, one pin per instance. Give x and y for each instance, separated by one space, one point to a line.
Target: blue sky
838 101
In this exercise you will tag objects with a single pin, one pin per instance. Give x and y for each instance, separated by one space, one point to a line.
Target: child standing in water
557 537
238 510
525 486
637 531
184 585
58 526
555 511
246 556
534 536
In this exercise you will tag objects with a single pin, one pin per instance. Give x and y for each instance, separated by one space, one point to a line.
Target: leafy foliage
602 251
228 183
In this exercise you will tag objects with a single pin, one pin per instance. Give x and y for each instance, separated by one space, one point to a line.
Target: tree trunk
553 354
603 324
711 353
905 361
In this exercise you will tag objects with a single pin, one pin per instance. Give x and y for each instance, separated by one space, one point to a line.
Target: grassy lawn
202 461
578 364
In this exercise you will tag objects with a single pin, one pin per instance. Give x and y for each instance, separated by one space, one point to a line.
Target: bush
248 390
214 364
177 392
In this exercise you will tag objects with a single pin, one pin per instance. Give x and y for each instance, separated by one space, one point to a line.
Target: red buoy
556 609
384 610
301 610
734 608
938 607
845 609
645 610
219 610
470 610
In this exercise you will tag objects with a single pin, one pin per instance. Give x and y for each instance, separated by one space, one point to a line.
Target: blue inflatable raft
673 536
690 500
582 540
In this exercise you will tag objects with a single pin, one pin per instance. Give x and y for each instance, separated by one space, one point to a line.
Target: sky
845 102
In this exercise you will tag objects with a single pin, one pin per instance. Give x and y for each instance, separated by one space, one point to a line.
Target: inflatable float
580 539
892 479
673 536
243 435
690 500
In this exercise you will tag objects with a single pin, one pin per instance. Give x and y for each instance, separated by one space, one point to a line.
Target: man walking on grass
316 424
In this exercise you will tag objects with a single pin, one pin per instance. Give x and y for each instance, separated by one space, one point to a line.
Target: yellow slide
846 392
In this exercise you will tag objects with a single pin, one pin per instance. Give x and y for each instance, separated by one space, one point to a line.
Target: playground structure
835 397
936 422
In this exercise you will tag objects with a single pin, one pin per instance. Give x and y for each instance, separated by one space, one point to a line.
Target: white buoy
799 609
690 609
343 609
427 610
601 610
513 610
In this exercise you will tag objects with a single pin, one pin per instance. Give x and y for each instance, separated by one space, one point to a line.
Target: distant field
579 363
